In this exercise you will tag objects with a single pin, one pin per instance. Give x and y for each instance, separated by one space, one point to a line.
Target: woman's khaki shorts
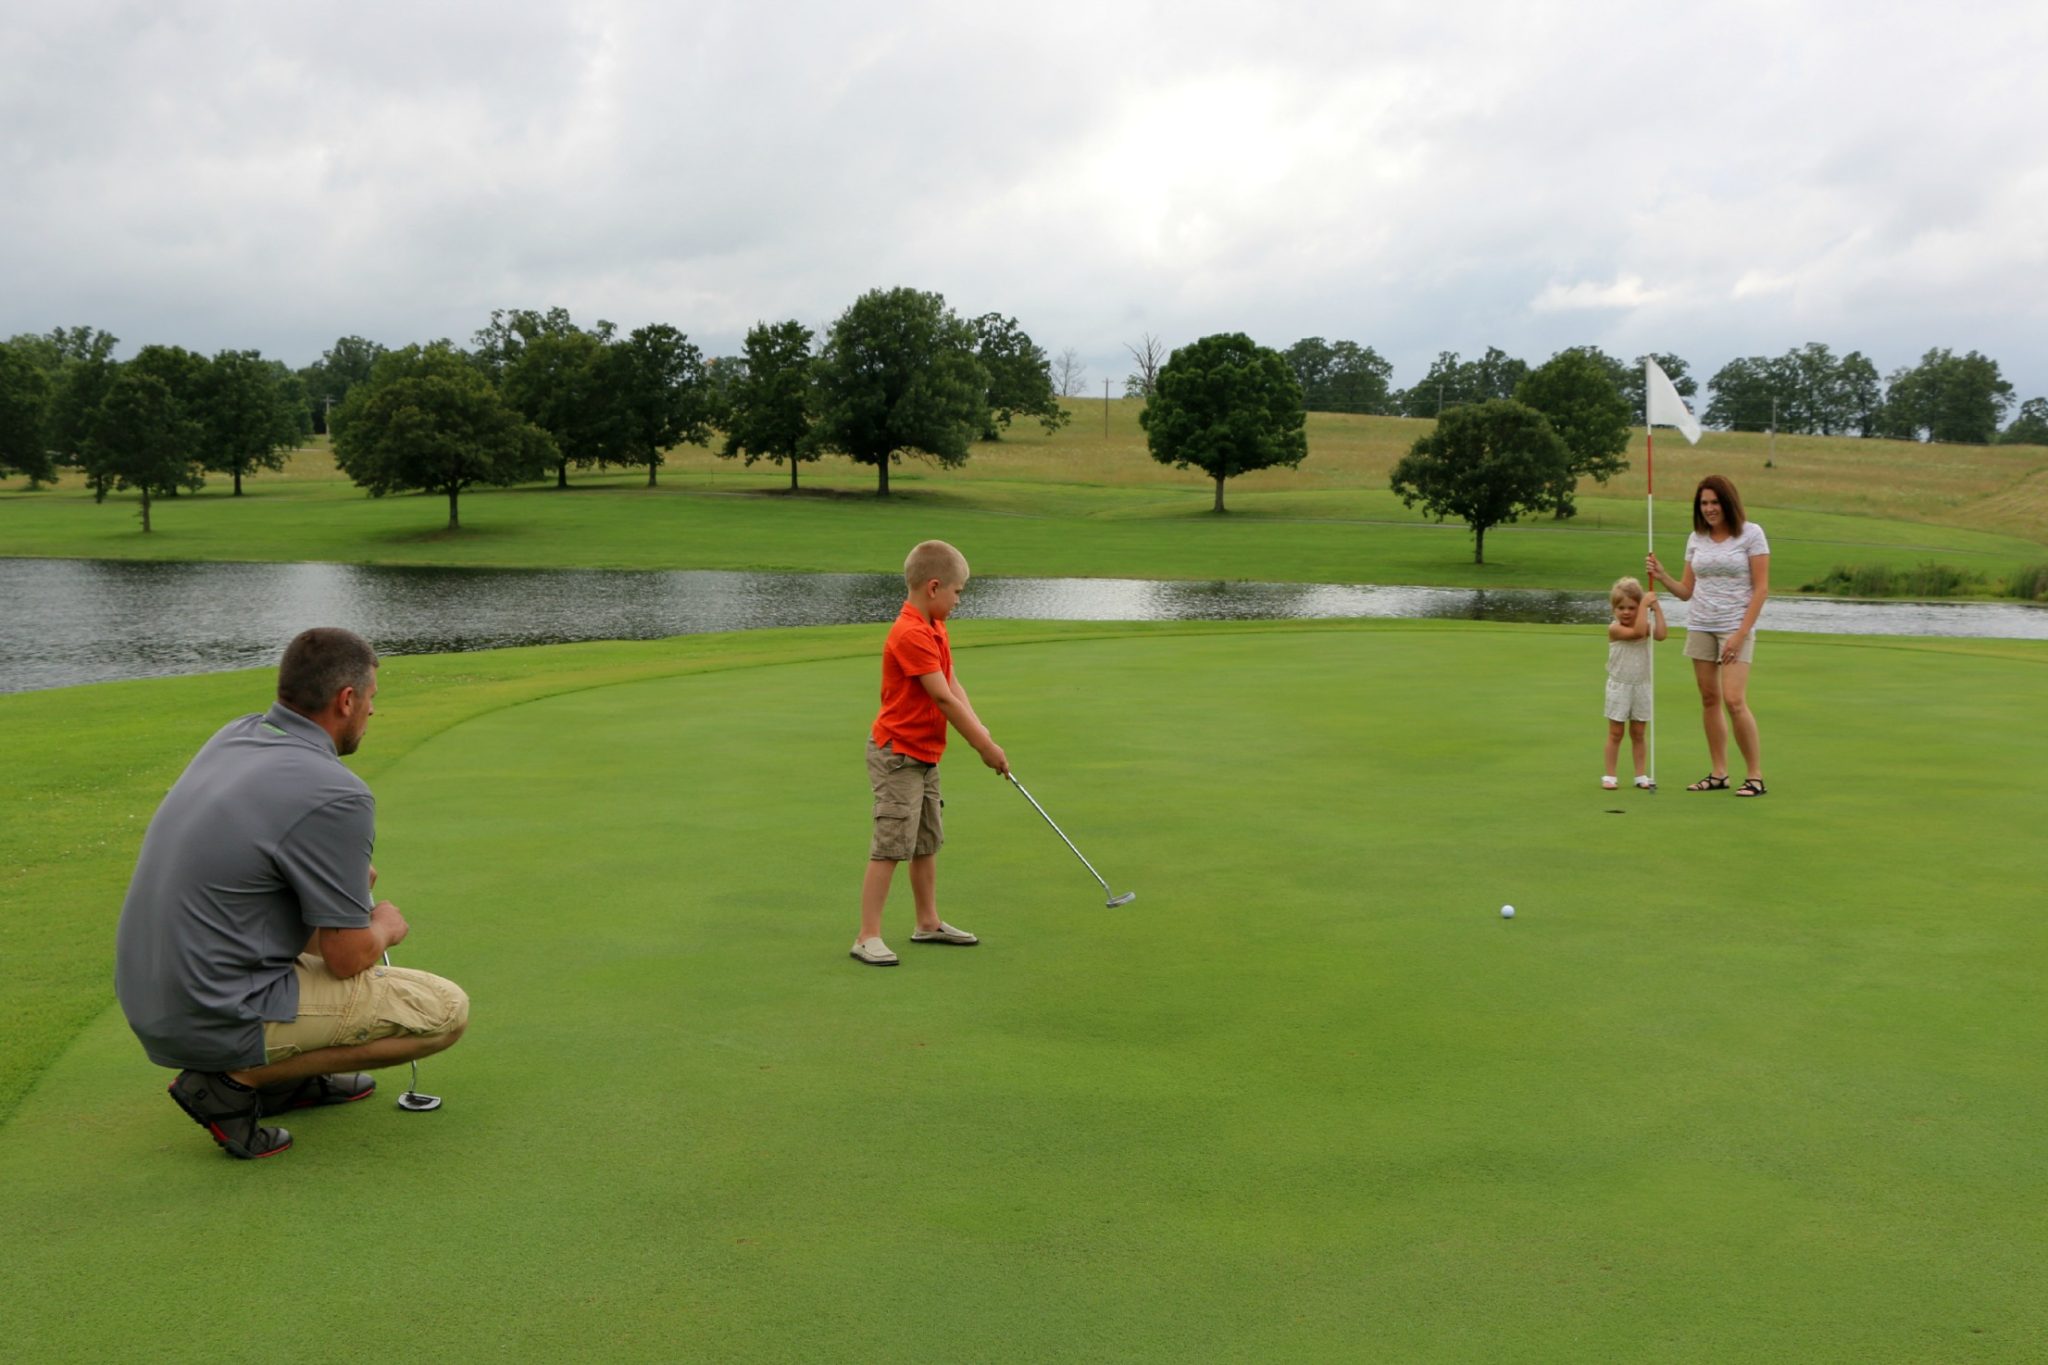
909 820
381 1002
1706 646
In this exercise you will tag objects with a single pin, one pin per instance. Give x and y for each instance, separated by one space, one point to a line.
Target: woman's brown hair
1731 505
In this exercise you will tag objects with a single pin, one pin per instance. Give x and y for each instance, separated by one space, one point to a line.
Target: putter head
413 1102
1125 899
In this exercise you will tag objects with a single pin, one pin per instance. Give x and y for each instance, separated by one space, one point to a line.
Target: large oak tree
1485 464
430 420
1226 405
898 375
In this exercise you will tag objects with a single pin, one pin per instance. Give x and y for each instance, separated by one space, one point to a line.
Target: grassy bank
1080 503
1742 1080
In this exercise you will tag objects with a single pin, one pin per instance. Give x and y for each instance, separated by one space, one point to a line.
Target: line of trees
158 423
898 374
1809 390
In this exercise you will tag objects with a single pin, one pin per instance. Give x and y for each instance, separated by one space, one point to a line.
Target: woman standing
1727 578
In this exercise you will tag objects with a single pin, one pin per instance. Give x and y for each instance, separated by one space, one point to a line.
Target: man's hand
350 952
994 756
386 917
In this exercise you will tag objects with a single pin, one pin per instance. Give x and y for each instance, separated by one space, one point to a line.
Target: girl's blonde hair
1624 587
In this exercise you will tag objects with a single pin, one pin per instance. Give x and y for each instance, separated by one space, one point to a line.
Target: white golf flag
1666 408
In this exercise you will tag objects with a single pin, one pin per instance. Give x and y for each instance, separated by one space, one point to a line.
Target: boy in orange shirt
920 694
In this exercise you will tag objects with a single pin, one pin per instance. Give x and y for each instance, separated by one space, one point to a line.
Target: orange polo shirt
909 718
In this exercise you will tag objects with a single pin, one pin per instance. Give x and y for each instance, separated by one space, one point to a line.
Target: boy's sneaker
315 1091
229 1112
945 933
1646 784
874 952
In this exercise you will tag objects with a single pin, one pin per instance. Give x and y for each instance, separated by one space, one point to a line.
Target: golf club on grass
412 1101
1114 900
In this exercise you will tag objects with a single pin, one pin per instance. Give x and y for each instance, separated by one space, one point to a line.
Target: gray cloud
1720 179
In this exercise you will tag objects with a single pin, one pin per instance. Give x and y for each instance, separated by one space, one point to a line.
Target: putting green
1741 1080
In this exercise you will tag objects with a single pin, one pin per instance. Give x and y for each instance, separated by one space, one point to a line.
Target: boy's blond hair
1624 587
934 559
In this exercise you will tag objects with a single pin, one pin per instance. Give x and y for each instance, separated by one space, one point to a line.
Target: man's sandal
1752 786
1709 783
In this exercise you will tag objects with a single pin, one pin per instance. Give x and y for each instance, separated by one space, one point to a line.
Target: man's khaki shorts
1706 646
381 1002
909 819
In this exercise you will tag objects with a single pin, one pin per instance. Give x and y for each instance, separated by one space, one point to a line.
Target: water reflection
66 621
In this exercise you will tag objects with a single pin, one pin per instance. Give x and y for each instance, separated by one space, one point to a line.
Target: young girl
1637 620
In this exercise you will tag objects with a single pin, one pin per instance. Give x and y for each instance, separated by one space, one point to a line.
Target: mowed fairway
1743 1080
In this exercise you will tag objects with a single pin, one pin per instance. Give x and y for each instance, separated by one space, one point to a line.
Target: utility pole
1771 460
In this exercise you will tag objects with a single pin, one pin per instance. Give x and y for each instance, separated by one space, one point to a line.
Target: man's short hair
319 663
934 559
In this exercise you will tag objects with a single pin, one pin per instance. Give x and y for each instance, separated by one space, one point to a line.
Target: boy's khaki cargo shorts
908 808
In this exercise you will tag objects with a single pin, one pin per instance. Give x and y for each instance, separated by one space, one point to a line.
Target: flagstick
1650 531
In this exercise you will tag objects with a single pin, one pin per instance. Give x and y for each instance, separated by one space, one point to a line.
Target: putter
1114 899
412 1101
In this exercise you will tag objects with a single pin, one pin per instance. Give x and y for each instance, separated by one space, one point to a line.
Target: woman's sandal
1752 786
1709 783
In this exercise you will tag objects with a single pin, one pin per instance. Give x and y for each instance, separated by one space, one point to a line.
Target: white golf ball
1507 912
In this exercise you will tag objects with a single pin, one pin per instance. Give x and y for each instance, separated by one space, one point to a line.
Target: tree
248 414
498 343
143 434
1359 379
1486 463
1859 394
1452 382
1629 378
84 357
340 368
551 372
1578 394
659 394
183 374
429 419
1226 406
1743 392
24 404
898 373
1950 397
1069 375
2030 427
1310 359
1148 355
771 407
1019 377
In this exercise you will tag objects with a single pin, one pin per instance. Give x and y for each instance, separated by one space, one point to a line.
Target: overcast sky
1714 179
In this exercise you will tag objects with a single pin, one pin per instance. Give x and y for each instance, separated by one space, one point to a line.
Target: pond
69 621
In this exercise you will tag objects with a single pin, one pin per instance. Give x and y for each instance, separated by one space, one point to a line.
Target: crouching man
250 954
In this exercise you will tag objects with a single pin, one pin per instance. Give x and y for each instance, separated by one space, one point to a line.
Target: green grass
1079 503
1743 1080
722 519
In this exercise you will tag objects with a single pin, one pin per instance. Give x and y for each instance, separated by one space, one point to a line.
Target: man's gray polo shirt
264 838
